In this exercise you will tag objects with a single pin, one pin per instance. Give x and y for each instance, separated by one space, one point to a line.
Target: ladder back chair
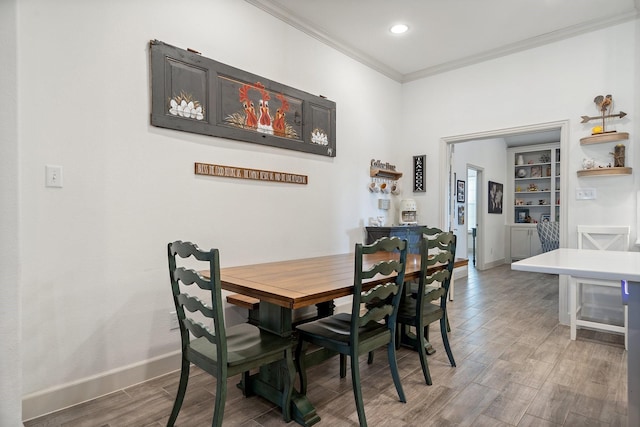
428 302
371 323
601 238
222 352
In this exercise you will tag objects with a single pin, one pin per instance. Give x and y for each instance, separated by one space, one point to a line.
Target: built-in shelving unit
533 195
534 192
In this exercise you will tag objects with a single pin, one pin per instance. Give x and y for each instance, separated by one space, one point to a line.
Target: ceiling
443 34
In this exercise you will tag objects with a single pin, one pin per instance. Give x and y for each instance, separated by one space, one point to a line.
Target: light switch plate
585 193
384 204
53 176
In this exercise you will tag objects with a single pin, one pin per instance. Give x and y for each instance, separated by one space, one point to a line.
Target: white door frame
445 190
480 206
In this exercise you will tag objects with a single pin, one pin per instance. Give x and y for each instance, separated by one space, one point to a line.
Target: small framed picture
495 197
460 189
521 215
460 214
536 171
545 218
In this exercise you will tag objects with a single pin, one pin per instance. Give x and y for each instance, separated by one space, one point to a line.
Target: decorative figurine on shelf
588 163
604 104
533 187
618 156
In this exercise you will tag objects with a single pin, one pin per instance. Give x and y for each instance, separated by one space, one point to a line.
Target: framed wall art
495 198
460 214
192 93
460 191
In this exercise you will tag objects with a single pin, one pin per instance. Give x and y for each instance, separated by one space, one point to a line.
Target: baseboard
50 400
496 263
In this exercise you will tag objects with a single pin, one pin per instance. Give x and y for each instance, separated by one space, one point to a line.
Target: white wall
547 84
491 156
96 294
10 311
94 285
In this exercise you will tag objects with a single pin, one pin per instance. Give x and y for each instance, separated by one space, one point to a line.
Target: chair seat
245 343
407 312
338 328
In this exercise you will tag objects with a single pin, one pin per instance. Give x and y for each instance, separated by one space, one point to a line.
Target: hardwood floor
515 367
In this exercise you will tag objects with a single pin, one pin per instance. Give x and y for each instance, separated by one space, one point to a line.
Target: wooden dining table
285 286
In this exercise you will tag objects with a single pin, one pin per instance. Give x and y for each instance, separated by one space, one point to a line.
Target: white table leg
573 306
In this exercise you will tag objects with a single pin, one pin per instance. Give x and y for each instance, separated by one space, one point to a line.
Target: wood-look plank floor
515 367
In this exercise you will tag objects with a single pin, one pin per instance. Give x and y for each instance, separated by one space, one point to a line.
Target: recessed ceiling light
399 29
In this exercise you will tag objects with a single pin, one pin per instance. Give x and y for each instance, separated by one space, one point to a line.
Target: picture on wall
460 191
495 197
192 93
460 214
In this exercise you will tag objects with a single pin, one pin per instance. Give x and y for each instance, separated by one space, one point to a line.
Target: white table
613 265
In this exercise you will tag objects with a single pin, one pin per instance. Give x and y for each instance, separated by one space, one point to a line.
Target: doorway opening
491 228
474 177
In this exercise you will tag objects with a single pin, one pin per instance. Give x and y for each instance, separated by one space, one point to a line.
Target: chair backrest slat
199 329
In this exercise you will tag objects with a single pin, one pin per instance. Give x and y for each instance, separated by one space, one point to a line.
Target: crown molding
308 28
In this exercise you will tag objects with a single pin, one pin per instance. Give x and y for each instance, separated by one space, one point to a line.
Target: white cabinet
524 241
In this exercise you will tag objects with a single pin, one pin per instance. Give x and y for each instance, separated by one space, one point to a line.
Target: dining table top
303 282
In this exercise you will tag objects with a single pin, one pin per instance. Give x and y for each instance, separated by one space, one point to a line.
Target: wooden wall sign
419 163
192 93
245 173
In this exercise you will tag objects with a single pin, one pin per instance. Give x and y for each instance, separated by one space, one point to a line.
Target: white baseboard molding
495 263
53 399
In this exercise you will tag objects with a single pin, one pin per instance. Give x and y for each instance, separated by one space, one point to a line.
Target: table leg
573 307
325 309
268 383
633 356
408 339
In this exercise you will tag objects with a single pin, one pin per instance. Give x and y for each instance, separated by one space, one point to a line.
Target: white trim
65 395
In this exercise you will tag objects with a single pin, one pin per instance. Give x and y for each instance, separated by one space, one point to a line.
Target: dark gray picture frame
460 191
192 93
495 197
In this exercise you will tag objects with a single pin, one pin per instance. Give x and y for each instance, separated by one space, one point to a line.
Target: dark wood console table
410 232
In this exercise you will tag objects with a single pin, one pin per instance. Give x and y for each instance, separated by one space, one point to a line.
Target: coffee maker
408 212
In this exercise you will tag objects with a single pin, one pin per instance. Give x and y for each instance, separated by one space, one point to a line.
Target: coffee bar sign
253 174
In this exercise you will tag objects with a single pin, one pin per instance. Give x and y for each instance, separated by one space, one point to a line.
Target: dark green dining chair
427 302
222 352
371 323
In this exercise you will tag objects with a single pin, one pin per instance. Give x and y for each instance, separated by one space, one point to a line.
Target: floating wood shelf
384 173
604 171
604 137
